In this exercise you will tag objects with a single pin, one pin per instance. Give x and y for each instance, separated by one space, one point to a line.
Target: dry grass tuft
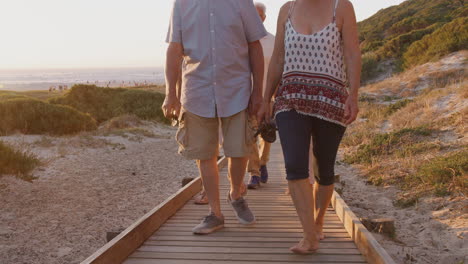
16 162
121 122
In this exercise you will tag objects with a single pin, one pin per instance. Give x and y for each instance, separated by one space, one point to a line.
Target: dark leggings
295 132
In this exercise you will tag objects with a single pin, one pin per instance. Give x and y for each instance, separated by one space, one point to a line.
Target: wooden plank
222 233
367 244
240 250
249 229
313 258
119 248
260 222
239 244
183 261
292 225
227 238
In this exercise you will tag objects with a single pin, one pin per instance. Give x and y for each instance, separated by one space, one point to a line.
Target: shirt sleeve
174 33
253 26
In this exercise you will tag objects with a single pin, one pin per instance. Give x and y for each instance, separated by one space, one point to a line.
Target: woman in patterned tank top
314 74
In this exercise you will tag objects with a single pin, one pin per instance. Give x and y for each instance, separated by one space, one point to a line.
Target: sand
87 186
435 231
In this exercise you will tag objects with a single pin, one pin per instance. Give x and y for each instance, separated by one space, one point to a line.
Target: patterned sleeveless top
314 78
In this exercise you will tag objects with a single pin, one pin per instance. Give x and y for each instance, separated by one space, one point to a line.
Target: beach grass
15 162
31 116
103 104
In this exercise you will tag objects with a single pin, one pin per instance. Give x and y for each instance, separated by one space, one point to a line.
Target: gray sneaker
208 225
243 213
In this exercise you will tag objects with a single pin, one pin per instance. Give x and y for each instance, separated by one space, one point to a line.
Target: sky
102 33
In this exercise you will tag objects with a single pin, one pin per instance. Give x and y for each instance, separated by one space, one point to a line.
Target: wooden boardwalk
277 228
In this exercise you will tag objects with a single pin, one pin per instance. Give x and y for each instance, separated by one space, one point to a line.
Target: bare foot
305 247
201 198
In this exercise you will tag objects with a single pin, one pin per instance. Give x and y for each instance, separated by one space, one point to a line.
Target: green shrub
31 116
386 144
416 148
4 95
442 171
392 31
408 16
16 162
451 37
396 47
396 106
370 62
106 103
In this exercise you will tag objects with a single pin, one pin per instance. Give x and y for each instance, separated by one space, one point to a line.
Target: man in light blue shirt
216 43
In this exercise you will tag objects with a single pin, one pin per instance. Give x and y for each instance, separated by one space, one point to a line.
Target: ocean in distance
37 79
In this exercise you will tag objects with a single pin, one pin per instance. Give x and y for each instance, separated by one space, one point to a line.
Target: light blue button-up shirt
216 74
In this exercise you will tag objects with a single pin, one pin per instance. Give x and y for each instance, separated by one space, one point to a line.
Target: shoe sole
243 222
206 232
253 187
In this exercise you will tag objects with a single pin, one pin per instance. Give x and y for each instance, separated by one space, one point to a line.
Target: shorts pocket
182 135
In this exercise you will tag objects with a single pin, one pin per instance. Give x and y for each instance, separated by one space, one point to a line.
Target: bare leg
210 176
323 195
237 167
302 196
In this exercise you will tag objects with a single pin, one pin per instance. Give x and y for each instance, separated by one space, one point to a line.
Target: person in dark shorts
316 66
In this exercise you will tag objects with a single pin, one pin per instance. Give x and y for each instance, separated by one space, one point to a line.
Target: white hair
262 6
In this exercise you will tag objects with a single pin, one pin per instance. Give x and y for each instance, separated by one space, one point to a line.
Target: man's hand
171 107
255 103
264 114
351 109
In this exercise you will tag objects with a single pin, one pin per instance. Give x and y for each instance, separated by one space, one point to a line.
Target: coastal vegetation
106 103
16 162
32 116
412 33
411 130
83 108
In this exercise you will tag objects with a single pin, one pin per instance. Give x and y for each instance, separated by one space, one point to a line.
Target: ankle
217 214
235 194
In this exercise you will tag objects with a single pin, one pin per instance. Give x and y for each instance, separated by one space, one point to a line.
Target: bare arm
275 69
256 63
352 57
171 106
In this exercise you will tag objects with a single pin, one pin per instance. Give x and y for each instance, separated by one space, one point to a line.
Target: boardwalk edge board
365 241
123 245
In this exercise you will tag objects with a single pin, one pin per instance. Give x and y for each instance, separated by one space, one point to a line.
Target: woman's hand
264 114
351 109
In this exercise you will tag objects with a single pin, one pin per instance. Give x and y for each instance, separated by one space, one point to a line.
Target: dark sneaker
208 225
254 182
263 174
243 213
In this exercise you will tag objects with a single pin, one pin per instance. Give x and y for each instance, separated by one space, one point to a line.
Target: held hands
171 107
351 109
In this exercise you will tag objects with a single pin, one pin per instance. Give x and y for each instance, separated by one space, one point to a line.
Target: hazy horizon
87 34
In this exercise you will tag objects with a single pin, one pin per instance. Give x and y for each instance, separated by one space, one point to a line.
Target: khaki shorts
198 136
